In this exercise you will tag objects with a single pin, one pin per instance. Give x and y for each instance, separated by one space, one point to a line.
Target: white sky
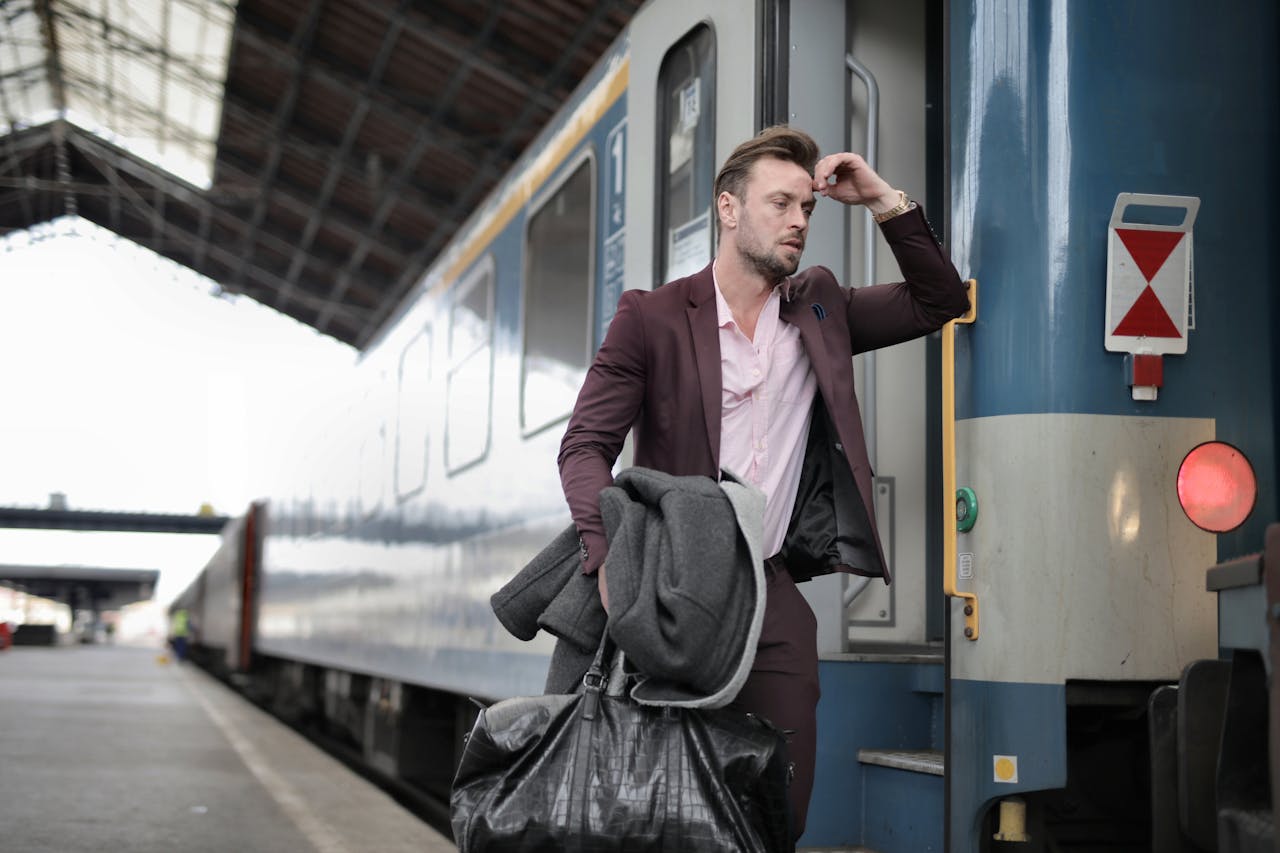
129 384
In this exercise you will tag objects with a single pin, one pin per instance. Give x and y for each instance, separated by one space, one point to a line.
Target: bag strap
598 675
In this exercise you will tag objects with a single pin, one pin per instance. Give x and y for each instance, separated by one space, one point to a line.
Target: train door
867 77
860 79
705 76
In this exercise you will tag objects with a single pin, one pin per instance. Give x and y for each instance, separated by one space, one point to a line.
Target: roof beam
467 198
345 224
421 140
52 57
389 104
202 236
16 145
423 27
53 61
106 161
122 40
24 75
311 145
285 194
299 45
354 122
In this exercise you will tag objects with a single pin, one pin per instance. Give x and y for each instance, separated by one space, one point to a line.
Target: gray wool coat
686 589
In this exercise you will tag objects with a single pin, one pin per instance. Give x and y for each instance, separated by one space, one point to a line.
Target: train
1074 483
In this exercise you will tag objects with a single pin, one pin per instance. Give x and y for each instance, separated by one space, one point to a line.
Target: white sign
1149 275
689 247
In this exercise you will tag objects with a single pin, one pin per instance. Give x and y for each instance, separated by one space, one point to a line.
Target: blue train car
1090 578
1032 466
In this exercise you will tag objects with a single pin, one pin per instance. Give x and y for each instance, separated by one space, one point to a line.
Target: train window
413 421
467 408
686 156
557 301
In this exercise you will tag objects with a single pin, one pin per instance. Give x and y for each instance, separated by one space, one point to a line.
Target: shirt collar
724 316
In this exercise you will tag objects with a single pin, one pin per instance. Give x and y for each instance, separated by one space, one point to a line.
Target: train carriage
1016 708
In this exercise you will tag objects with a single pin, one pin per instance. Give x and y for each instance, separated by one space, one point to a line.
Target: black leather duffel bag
596 771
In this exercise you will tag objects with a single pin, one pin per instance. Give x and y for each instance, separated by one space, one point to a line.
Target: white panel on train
1072 599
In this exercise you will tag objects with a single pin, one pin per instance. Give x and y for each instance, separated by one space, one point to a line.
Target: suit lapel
801 314
842 409
705 332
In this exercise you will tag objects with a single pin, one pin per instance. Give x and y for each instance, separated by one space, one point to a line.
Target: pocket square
819 311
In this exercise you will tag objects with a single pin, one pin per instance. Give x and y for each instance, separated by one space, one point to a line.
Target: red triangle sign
1147 318
1150 249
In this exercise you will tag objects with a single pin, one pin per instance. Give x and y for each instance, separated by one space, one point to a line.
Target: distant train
1049 670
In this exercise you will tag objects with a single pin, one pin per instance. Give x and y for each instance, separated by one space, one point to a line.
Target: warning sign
1149 263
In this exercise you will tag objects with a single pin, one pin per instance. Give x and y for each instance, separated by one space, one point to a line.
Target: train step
928 761
902 799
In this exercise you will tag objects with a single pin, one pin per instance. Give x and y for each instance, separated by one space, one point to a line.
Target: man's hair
780 142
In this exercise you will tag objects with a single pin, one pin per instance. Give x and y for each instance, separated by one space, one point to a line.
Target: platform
110 748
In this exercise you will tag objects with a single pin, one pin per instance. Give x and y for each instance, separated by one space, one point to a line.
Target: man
746 366
179 629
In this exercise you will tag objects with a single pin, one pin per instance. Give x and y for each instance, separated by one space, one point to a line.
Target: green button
966 509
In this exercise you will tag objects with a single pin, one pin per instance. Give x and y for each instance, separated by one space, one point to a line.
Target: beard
764 261
768 264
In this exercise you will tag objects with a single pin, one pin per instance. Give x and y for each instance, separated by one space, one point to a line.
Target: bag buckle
595 682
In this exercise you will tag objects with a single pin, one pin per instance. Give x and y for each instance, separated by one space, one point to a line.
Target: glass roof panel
146 75
23 93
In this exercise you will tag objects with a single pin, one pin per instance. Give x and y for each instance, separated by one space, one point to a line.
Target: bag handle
596 680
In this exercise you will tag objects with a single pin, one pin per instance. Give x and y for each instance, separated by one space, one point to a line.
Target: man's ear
727 209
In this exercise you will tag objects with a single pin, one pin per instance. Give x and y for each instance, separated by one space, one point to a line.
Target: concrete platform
108 748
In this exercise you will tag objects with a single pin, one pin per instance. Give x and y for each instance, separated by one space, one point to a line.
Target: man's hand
604 590
848 179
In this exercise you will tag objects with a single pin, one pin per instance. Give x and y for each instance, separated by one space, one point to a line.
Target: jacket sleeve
932 293
607 407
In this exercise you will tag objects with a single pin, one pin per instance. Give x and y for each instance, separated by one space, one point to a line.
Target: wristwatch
904 204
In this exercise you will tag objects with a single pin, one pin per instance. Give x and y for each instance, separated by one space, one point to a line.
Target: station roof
82 586
314 155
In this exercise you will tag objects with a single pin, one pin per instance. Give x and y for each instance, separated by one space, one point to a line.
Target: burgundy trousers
783 684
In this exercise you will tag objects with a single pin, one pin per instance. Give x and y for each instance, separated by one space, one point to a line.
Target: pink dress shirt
765 403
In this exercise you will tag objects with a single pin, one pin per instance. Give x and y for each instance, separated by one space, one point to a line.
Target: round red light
1216 487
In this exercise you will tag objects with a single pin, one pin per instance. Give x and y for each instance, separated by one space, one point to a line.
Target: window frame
586 157
484 270
426 334
662 142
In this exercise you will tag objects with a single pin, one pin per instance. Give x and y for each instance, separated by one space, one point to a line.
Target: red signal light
1216 487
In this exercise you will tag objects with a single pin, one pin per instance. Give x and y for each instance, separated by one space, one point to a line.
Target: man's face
773 218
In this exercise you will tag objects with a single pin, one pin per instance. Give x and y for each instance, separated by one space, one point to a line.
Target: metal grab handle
949 465
872 156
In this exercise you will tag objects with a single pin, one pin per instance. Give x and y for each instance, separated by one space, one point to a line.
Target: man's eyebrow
808 198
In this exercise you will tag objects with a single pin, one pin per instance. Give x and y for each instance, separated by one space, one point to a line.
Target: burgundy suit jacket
658 370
